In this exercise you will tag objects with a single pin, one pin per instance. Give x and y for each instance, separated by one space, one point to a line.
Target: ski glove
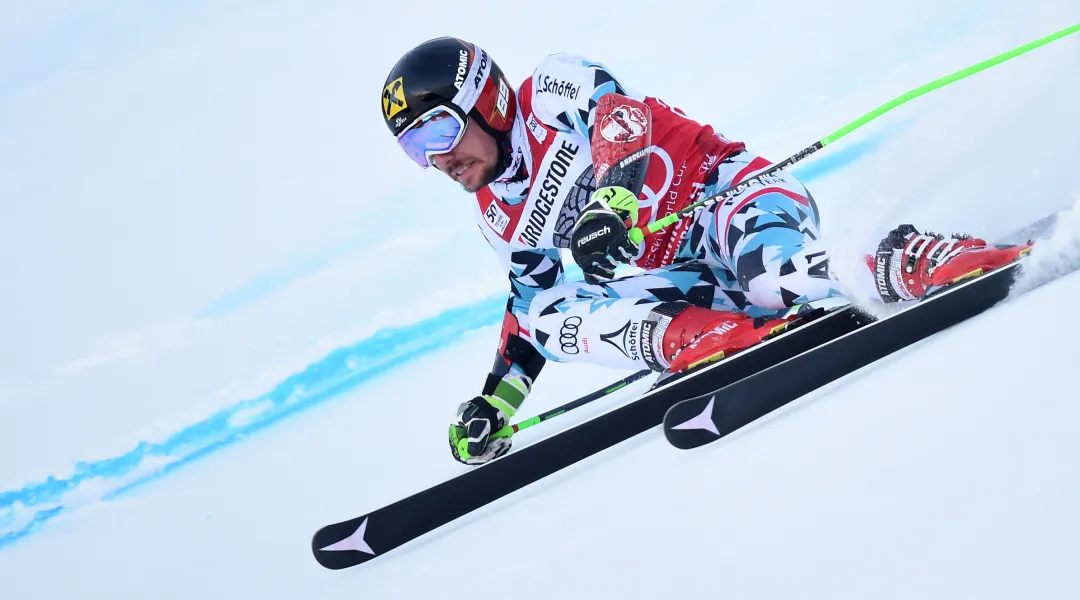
480 418
600 239
470 434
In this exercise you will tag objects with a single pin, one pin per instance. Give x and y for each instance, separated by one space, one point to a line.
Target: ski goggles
437 131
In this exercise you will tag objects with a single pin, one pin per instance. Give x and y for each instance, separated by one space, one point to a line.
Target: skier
572 159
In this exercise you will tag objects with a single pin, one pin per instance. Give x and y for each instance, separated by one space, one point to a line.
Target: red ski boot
696 336
909 264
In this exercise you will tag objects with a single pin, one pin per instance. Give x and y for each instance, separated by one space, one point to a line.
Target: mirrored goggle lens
437 131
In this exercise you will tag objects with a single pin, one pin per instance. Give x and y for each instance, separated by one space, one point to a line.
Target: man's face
473 161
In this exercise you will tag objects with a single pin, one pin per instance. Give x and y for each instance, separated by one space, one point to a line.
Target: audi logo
568 335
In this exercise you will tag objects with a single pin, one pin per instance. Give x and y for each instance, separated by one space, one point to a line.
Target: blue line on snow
23 511
341 370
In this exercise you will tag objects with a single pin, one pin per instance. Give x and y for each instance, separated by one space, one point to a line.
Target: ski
372 534
709 417
358 540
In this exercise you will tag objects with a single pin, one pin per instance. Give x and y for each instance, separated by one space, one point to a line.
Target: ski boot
909 264
690 336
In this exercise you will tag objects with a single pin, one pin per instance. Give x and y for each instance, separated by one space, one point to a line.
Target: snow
199 365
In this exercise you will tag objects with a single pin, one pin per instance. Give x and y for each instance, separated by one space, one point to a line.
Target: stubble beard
489 176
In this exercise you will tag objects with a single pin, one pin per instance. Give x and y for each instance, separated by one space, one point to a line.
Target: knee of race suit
577 322
539 335
763 292
785 283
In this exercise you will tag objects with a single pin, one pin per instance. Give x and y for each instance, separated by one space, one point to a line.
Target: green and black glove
479 419
600 239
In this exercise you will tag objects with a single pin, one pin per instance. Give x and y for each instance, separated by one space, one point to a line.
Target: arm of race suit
530 272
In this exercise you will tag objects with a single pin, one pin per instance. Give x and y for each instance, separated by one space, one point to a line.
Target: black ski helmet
453 72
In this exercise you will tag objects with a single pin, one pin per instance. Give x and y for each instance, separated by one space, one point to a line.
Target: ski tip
689 423
342 545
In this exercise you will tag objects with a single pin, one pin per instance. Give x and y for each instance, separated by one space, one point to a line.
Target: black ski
358 540
698 421
363 538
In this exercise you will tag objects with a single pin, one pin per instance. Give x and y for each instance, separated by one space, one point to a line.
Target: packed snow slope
236 313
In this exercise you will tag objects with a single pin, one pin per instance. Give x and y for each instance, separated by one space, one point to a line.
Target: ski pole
510 430
637 234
